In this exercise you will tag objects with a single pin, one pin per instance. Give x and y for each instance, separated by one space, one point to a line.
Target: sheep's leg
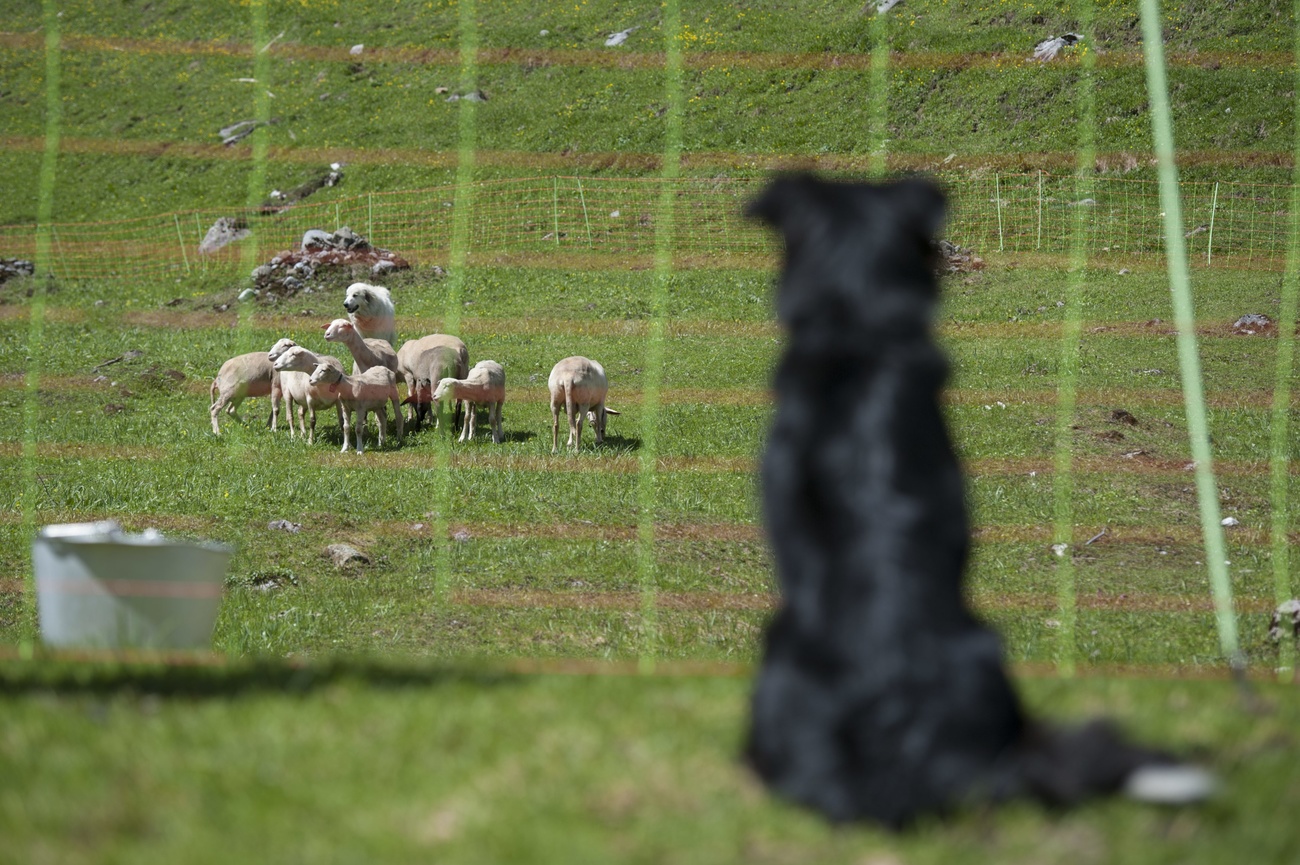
467 432
311 413
302 428
555 427
214 410
494 416
575 426
277 395
598 424
381 436
345 415
361 429
397 415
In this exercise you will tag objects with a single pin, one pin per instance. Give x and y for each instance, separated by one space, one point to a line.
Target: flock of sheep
435 369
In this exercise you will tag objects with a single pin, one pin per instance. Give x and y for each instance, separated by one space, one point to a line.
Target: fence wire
1242 225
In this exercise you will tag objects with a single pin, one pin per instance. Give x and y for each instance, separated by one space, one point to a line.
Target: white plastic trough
98 587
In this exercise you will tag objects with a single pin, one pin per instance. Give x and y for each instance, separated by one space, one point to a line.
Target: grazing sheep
296 365
484 385
370 309
361 393
579 386
240 377
366 352
418 365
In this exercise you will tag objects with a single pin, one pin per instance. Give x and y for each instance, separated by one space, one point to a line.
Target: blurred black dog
881 696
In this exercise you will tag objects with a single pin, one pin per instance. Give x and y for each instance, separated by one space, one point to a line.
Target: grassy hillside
146 86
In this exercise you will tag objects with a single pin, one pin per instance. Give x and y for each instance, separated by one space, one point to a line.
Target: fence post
181 239
583 199
198 232
1039 244
58 244
1214 204
997 203
555 206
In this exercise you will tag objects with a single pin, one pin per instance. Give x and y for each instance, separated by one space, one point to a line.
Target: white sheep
296 365
370 309
484 385
578 385
240 377
423 362
366 353
361 393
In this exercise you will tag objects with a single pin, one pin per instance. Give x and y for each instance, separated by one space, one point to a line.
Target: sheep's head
443 388
338 330
294 358
325 373
279 349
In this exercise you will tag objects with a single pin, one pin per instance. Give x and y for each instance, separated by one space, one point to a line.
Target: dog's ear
921 206
779 200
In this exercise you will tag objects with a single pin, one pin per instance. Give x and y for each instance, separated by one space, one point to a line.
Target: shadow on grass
200 676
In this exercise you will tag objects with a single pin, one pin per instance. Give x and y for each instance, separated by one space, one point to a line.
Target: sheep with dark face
422 363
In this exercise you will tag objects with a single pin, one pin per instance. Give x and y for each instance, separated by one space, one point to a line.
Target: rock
11 267
346 554
461 536
314 238
284 526
1229 522
224 231
248 294
1253 323
1286 615
1121 416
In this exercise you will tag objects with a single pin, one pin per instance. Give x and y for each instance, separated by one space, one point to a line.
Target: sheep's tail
212 392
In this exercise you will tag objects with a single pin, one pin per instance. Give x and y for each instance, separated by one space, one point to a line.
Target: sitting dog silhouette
881 696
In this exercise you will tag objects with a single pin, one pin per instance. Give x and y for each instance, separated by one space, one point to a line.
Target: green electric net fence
671 219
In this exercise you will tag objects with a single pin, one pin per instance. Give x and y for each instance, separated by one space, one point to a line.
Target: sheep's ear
920 205
324 327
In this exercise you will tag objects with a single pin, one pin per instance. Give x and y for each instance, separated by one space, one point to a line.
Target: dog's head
854 252
364 298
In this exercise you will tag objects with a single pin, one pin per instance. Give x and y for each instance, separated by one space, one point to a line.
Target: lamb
361 393
424 361
370 309
484 385
579 386
366 352
240 377
296 365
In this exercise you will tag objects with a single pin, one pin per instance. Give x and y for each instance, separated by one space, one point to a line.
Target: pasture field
486 675
548 657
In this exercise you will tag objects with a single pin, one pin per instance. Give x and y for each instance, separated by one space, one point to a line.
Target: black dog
881 696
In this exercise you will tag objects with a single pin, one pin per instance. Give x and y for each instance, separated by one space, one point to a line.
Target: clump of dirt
957 259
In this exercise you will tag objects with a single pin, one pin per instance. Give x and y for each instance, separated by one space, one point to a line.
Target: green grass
394 763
